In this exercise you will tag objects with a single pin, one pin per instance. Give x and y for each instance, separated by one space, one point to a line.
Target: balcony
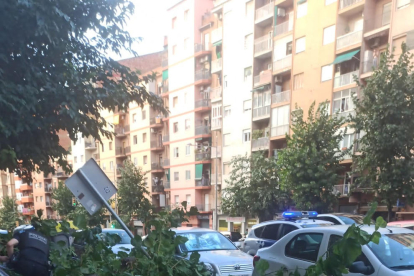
60 173
48 203
166 162
167 185
157 188
265 77
203 104
342 190
217 35
216 123
260 144
27 199
202 130
156 145
90 145
344 114
203 208
28 211
378 26
281 97
260 113
203 183
216 94
127 150
120 152
216 65
156 122
263 46
157 167
119 169
345 79
345 41
202 156
26 187
121 131
279 130
344 4
165 86
213 178
202 75
283 64
165 139
264 15
48 189
201 49
283 28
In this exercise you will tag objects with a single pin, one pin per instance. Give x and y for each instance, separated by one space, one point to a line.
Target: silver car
217 252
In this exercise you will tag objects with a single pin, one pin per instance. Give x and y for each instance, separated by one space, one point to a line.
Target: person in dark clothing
33 255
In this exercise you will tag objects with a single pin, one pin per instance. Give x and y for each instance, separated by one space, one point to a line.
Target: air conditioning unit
278 79
281 12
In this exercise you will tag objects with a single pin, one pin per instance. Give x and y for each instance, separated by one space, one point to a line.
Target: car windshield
396 251
205 241
315 225
125 239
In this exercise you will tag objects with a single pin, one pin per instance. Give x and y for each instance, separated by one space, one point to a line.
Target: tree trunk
389 207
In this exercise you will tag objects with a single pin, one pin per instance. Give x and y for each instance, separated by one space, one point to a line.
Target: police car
265 234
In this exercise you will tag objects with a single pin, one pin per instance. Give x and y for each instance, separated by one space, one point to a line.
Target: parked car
218 253
409 224
342 218
125 243
393 256
265 234
234 237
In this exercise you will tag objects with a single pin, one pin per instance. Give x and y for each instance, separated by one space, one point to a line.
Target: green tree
9 214
133 194
55 74
253 188
385 113
309 166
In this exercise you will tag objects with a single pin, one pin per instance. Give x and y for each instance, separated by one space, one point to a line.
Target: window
298 81
342 101
175 102
144 114
247 73
41 198
145 160
346 142
248 41
177 199
280 120
302 9
103 147
104 166
37 198
247 105
134 117
135 161
227 111
144 137
174 23
186 15
176 176
187 124
40 184
135 139
186 42
287 228
402 4
304 247
226 168
188 150
329 35
258 232
174 50
81 158
289 48
176 152
249 9
270 232
187 175
328 2
188 199
246 135
226 139
75 159
110 145
300 45
111 165
326 72
175 125
225 81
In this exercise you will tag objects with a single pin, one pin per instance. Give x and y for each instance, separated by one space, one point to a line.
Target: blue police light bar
299 214
312 214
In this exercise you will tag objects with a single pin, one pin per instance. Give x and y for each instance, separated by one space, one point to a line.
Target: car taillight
255 260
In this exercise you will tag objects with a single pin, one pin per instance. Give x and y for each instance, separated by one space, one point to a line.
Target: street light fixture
215 226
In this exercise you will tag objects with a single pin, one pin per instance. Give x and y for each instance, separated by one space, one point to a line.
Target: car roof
298 222
112 230
336 215
402 222
180 230
341 229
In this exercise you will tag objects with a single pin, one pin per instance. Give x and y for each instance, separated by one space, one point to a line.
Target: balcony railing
348 39
217 35
345 114
156 120
282 64
216 65
342 189
28 211
202 103
265 12
263 45
119 151
127 150
203 207
202 156
216 123
61 173
345 79
369 65
264 77
202 75
90 145
347 3
213 178
281 97
167 185
216 93
48 203
166 162
279 130
200 48
165 86
157 188
156 144
204 182
260 144
121 130
260 112
202 130
157 166
48 189
283 28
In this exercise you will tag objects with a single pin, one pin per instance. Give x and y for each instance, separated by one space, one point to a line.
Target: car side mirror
360 267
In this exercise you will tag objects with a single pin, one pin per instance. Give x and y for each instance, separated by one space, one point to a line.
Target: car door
252 243
270 235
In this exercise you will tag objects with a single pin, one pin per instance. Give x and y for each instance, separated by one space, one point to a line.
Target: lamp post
215 226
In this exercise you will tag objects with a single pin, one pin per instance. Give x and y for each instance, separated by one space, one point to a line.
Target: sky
149 23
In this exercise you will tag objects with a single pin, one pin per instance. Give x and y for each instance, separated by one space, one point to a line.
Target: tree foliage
133 194
9 214
253 188
385 114
309 166
55 74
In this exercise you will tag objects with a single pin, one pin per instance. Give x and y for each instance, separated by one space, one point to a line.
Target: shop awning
165 75
198 171
218 43
258 89
345 57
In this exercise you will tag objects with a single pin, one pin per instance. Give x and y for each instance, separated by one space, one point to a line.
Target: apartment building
7 185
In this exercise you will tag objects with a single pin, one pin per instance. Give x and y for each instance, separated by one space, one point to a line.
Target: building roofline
176 4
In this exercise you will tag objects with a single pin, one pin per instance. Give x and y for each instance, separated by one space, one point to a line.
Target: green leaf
261 267
380 223
375 238
368 217
80 221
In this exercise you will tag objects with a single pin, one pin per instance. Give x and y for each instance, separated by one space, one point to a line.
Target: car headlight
210 268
